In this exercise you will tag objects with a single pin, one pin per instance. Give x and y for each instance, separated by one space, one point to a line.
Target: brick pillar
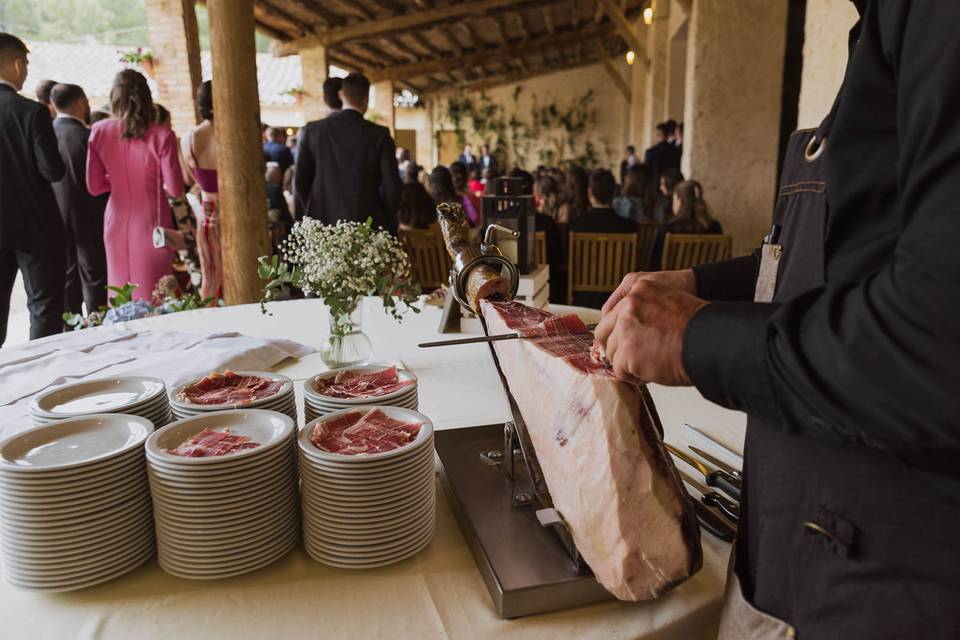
313 69
383 104
732 112
175 45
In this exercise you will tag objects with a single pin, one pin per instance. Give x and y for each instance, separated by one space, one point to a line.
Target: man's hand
642 334
683 280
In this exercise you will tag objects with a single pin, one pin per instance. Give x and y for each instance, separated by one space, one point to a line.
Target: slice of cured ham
230 388
363 432
601 455
351 384
209 443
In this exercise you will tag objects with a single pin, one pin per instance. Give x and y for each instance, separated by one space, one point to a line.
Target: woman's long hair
132 103
693 214
574 197
549 192
205 100
638 183
441 186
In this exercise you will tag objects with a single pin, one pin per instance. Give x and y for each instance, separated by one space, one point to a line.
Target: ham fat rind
601 455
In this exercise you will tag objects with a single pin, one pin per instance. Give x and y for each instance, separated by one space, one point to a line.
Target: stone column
313 69
425 138
827 27
654 106
175 46
732 120
638 85
240 169
383 104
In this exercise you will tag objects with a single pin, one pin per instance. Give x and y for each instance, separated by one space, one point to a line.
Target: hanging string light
648 13
631 57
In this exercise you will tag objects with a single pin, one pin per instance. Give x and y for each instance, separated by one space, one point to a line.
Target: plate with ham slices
368 489
354 386
224 390
224 489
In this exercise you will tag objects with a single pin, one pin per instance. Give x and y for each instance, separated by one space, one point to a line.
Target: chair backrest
646 238
597 262
685 250
540 238
428 256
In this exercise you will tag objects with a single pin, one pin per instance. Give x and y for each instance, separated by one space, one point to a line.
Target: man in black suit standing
467 158
664 154
31 230
488 160
347 168
86 260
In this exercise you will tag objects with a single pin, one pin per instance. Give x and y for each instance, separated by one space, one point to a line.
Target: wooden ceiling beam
311 13
408 21
485 56
622 23
484 84
279 20
622 85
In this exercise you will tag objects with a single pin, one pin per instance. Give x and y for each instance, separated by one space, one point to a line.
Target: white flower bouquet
341 264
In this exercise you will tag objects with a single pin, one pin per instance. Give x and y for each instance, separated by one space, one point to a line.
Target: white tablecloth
437 594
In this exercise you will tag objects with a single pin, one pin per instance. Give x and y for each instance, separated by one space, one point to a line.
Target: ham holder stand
493 480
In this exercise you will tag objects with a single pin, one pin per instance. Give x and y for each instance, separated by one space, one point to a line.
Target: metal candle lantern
511 207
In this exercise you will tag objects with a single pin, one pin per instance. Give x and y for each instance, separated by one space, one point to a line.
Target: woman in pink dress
134 158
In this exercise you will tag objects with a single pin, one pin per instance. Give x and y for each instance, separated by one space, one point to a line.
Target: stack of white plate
130 395
284 401
372 510
75 502
225 515
316 405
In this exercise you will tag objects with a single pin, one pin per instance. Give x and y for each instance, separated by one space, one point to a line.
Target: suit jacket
660 157
488 162
29 161
82 213
470 162
347 170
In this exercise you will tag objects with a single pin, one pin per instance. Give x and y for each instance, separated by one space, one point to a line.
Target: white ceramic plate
229 467
255 514
86 579
415 483
394 508
56 518
79 530
217 548
73 478
108 395
72 443
321 402
363 551
365 526
397 413
363 466
309 388
287 388
372 562
230 570
283 405
268 428
350 537
103 546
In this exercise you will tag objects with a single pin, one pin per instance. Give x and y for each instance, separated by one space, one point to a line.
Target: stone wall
175 46
827 25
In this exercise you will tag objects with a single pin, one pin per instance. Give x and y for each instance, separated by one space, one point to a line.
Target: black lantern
511 205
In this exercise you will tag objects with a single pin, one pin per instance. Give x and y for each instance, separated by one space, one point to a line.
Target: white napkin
173 356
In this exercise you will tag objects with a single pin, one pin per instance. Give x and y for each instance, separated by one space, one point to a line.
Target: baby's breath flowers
341 264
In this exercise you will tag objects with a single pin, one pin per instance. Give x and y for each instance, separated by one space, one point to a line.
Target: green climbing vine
560 133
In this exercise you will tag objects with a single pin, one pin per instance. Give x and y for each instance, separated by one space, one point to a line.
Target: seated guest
442 190
274 149
475 185
416 209
690 215
413 173
668 182
489 178
601 218
459 172
278 209
638 199
574 201
548 207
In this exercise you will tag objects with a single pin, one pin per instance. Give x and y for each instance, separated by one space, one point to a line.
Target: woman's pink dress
130 168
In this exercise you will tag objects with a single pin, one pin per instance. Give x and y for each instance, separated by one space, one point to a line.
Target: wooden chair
646 238
597 262
685 250
540 238
428 256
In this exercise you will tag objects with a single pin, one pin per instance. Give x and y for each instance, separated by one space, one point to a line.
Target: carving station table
438 593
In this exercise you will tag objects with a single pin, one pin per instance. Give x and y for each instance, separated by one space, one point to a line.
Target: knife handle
723 504
725 482
713 523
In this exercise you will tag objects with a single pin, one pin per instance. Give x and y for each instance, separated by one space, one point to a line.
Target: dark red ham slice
363 432
209 443
230 388
351 384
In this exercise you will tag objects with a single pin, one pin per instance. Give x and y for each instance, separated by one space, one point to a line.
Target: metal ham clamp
523 546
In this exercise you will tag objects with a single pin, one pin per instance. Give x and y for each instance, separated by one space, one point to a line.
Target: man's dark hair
64 95
274 134
205 100
356 88
670 127
602 186
662 129
99 114
12 47
331 93
631 149
43 91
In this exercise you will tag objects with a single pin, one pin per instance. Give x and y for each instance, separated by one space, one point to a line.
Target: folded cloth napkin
172 356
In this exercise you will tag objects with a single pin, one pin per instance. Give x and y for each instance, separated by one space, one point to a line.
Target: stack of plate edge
245 517
316 405
284 402
77 524
355 515
156 408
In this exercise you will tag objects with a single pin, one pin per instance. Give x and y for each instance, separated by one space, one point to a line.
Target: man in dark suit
601 218
664 154
488 160
275 149
31 230
86 260
467 158
347 167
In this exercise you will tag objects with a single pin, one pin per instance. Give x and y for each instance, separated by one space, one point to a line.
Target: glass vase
347 345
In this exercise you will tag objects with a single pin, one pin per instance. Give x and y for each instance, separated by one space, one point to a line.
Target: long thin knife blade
717 462
693 462
479 339
716 442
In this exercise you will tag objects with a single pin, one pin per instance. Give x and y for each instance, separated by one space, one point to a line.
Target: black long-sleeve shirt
873 356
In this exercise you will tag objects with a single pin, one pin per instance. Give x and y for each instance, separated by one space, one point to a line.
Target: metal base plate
523 564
